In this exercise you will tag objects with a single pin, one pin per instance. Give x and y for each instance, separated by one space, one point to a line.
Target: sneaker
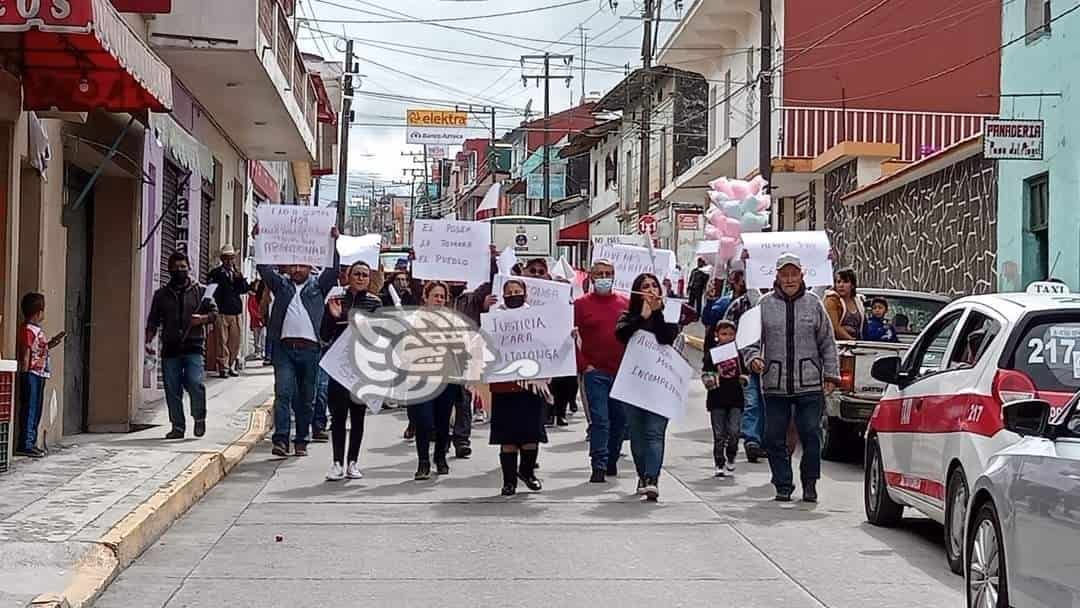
479 417
320 436
300 449
441 468
200 428
353 472
753 452
809 493
462 452
730 467
174 434
280 449
651 489
336 472
561 422
598 476
39 453
423 472
783 497
719 472
640 486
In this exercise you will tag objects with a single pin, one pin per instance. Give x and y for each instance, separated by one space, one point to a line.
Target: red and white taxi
940 421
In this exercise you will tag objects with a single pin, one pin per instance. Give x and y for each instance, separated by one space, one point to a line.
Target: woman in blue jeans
647 430
432 417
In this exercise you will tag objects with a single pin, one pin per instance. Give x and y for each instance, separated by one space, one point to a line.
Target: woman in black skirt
432 417
517 414
335 322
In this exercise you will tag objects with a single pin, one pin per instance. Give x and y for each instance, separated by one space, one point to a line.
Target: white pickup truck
848 408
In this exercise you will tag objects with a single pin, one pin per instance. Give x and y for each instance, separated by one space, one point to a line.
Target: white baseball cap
788 259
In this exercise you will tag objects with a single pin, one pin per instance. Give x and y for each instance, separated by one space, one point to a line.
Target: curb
140 528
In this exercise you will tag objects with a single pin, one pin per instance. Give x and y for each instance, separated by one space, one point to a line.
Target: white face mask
603 286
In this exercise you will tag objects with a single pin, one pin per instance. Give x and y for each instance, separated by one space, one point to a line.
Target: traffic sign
647 224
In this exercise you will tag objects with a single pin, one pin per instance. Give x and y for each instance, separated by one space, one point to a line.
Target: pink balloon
764 202
721 185
731 227
757 184
728 247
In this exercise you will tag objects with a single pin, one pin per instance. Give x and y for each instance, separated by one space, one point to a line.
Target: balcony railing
807 132
274 24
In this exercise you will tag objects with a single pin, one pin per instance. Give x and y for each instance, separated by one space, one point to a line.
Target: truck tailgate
865 353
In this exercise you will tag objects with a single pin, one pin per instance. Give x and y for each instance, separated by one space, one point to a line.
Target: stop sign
647 224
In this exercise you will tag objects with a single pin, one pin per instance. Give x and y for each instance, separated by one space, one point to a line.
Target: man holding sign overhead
798 363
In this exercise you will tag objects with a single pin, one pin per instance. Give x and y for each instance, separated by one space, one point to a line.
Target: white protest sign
339 364
452 251
766 247
506 260
672 310
527 340
723 352
294 234
352 249
653 377
630 261
749 331
538 292
599 240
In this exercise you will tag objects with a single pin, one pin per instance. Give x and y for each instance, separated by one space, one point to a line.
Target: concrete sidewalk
71 521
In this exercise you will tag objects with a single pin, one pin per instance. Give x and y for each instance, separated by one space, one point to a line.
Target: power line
465 18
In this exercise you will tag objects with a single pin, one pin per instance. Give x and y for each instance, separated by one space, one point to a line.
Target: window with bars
1037 20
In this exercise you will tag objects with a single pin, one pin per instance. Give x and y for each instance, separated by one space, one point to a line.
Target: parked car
848 408
940 420
1023 527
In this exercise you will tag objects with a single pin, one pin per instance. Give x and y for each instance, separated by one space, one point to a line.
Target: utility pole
584 50
545 204
765 133
346 118
646 104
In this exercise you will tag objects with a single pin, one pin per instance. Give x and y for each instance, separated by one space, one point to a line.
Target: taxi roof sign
1052 288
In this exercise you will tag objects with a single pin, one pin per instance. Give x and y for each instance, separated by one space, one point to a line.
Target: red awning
574 233
326 111
80 55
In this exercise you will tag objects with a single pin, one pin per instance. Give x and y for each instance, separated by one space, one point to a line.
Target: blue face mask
603 286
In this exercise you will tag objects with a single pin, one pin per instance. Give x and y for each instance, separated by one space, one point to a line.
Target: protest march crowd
612 335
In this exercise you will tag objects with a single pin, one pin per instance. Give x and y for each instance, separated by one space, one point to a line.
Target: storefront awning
574 233
80 55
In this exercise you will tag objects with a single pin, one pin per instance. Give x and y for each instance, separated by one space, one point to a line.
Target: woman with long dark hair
647 429
432 417
342 407
517 414
845 306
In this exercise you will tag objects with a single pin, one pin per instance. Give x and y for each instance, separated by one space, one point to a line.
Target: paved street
389 541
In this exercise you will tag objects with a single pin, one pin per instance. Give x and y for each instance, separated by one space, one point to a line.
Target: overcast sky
478 68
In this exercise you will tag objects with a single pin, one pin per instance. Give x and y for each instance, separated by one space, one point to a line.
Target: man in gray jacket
797 360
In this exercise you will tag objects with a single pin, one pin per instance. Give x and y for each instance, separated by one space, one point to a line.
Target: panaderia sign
1013 139
436 127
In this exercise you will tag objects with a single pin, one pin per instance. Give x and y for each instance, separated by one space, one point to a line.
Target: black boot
508 460
527 472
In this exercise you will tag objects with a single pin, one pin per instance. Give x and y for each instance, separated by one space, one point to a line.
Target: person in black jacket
182 313
334 323
647 429
724 381
230 286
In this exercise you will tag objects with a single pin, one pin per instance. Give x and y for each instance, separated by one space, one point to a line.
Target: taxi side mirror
887 370
1026 417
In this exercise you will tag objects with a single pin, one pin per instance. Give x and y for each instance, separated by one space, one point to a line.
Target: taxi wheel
881 509
956 503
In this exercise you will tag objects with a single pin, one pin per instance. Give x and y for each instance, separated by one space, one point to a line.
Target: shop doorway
77 314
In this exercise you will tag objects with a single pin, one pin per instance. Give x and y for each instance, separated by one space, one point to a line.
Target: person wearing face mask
292 329
343 409
182 313
647 429
599 354
517 414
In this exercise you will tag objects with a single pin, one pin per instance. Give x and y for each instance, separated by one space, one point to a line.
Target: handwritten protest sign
673 310
294 234
723 352
630 261
538 292
452 251
338 363
352 249
653 377
524 335
765 247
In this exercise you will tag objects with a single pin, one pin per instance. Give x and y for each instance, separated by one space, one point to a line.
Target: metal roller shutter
171 178
204 237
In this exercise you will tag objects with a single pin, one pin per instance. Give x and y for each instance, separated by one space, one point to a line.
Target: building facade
1037 232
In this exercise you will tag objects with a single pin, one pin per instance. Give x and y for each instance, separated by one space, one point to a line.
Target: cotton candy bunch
736 206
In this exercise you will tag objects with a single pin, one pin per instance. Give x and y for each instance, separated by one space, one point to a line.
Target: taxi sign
1051 288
